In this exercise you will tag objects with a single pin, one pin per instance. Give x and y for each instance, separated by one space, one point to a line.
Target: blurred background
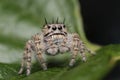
101 20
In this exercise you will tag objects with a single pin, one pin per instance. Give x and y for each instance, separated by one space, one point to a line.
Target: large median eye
54 28
60 27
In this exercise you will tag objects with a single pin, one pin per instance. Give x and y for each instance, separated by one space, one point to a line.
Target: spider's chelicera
54 39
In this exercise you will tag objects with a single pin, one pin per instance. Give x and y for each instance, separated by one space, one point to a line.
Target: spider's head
54 29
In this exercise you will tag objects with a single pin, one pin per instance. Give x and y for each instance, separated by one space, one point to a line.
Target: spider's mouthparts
57 36
51 34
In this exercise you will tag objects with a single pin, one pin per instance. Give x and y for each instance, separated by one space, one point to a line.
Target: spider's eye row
48 27
54 28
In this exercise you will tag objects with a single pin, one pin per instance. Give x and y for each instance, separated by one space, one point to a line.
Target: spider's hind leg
26 61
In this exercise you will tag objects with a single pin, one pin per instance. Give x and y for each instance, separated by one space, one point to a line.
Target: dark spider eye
54 28
64 26
48 27
60 27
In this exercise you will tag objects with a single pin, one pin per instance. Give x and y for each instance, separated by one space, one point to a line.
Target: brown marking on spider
53 39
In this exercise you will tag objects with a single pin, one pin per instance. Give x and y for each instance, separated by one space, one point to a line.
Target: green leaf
20 19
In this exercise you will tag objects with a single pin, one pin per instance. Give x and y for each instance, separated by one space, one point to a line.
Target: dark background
102 25
101 20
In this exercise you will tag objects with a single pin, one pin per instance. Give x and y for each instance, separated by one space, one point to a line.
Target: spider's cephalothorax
54 39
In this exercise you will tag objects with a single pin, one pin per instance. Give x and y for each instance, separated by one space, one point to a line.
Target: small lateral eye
64 26
48 27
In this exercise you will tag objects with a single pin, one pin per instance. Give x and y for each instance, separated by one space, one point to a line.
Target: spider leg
83 48
78 45
72 61
89 51
41 59
83 55
75 49
39 51
26 61
22 63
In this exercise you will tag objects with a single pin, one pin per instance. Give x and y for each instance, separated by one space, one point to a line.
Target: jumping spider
53 39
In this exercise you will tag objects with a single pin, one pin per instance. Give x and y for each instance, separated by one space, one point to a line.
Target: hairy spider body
54 39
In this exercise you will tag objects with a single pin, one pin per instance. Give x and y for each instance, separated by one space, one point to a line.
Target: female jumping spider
53 39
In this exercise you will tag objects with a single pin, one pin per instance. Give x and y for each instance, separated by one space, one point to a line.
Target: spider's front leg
78 45
26 61
74 49
36 46
39 49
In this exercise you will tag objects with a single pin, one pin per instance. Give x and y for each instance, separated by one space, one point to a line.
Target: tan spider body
54 39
